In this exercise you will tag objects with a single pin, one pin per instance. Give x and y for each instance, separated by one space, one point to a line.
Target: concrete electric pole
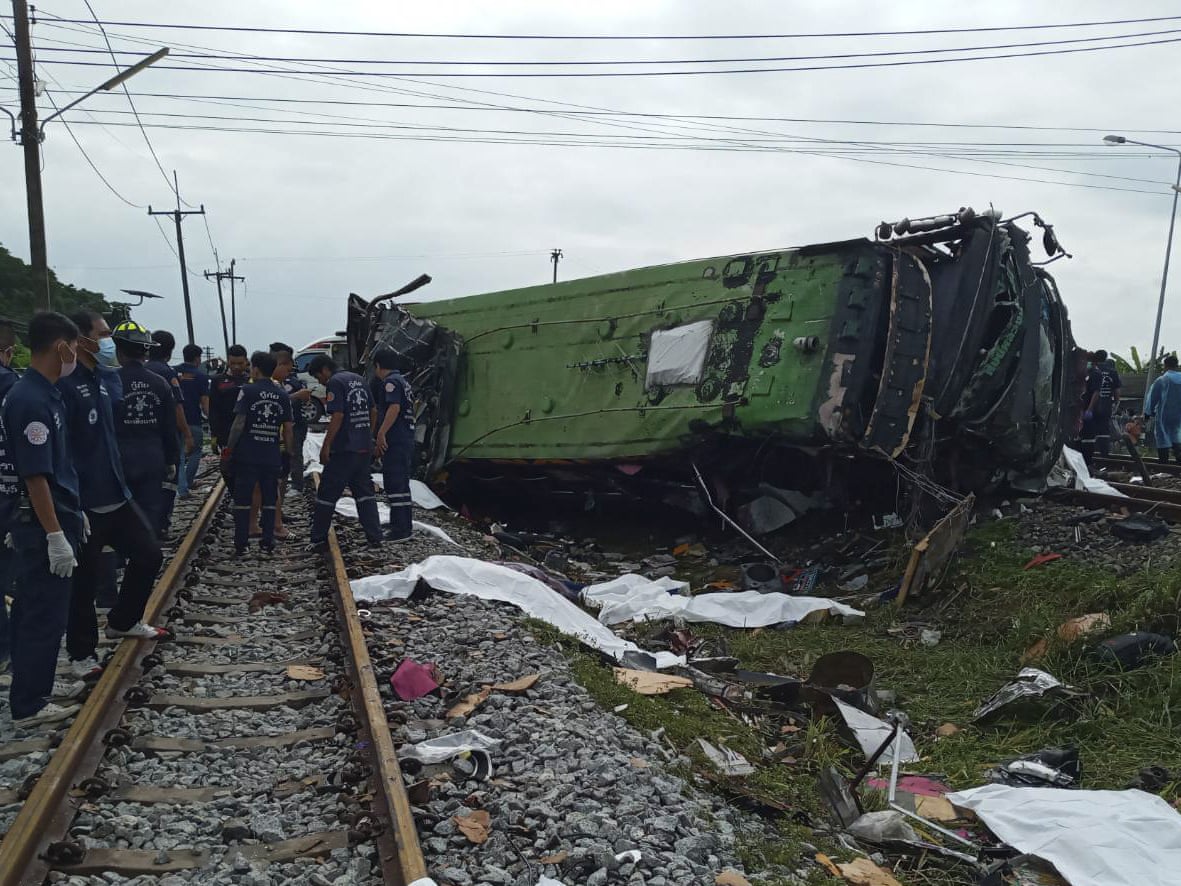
30 139
555 256
178 216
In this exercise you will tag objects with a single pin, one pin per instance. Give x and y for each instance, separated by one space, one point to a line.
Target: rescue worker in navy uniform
287 375
158 362
145 422
50 526
9 491
223 394
194 384
395 442
262 419
115 520
346 451
1099 403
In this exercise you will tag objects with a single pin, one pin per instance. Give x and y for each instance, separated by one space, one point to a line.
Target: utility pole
555 256
30 137
233 299
219 275
178 216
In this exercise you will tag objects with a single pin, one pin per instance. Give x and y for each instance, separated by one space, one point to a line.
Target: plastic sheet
677 356
488 581
347 507
1082 475
1093 838
635 598
1030 683
437 750
420 493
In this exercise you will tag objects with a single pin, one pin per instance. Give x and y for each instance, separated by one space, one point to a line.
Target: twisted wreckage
760 382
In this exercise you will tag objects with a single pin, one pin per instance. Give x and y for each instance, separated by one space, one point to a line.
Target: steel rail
408 867
40 820
1123 462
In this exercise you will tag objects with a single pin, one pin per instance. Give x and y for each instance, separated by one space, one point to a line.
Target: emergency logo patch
331 396
37 433
93 417
389 387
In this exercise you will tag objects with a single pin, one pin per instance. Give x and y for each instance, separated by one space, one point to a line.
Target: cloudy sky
340 200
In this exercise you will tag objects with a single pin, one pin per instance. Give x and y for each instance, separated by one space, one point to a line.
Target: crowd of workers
101 433
1102 419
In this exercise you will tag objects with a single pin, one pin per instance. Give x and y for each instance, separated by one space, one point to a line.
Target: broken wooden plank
313 845
136 862
150 794
164 744
11 749
199 668
239 702
932 553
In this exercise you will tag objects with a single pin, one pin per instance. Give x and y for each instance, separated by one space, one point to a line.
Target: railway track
251 748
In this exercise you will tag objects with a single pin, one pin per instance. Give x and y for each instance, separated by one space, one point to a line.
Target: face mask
106 352
68 366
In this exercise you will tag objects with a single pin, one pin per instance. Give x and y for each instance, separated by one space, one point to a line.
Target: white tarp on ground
346 506
1093 838
635 598
420 493
1082 476
677 356
488 581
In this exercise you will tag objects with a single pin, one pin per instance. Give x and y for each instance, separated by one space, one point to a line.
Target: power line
628 62
127 92
647 114
102 178
805 151
680 73
466 36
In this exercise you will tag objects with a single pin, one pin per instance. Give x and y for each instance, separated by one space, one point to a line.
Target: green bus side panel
558 371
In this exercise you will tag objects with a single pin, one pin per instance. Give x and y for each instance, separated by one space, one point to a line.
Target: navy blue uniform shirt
35 420
347 394
9 482
167 373
396 392
194 384
145 421
293 385
91 425
223 394
266 406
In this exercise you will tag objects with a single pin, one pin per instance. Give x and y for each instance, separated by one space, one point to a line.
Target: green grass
1128 721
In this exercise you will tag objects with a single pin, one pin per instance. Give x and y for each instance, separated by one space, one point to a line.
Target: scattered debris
1068 632
1030 683
888 521
1153 779
266 598
930 637
1092 838
469 703
1041 560
1131 650
412 680
881 827
930 557
556 858
947 730
730 878
519 685
1049 767
864 872
726 761
871 733
650 682
855 584
304 672
476 825
437 750
1140 528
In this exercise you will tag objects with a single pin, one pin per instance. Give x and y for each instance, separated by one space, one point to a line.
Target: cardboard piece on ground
825 862
304 672
864 872
730 878
937 809
521 684
1077 628
476 826
470 703
947 730
650 682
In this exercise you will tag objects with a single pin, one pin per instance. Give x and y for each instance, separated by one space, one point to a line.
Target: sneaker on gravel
139 631
51 713
67 688
86 668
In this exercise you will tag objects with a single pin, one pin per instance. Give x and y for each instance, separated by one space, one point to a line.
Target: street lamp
121 77
1164 279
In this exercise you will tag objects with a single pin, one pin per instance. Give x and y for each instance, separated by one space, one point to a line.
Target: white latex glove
85 527
61 555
